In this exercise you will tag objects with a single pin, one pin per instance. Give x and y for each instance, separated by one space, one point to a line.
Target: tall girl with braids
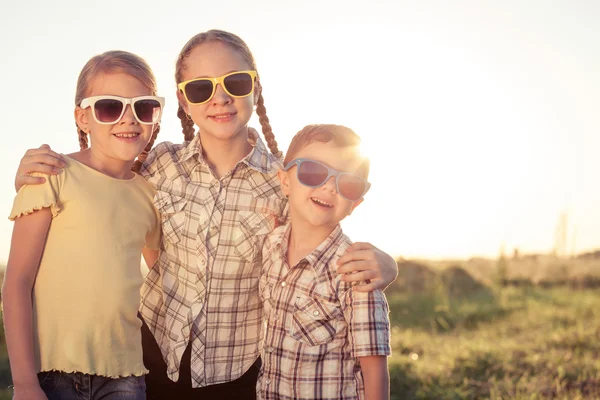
71 292
219 196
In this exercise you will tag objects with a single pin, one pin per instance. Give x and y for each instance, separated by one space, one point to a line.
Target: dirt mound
413 277
459 282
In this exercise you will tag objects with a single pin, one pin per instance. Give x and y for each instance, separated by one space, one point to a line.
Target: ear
182 102
284 179
81 119
355 204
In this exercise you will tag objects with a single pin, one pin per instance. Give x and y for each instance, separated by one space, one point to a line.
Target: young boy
323 340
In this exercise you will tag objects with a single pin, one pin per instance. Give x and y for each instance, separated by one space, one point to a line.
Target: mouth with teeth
224 117
321 203
127 136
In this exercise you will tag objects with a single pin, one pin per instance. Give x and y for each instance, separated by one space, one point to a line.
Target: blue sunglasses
314 174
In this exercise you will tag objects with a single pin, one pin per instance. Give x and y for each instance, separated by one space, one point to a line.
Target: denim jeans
79 386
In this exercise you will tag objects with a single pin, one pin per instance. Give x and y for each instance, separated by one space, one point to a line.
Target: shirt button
275 316
203 262
315 313
213 229
270 349
283 284
267 381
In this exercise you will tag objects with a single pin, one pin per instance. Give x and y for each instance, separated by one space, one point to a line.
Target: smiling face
223 117
321 207
124 140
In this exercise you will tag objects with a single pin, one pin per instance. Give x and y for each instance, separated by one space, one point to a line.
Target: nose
128 117
330 184
221 96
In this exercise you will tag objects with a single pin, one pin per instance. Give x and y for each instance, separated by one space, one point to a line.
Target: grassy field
516 332
504 329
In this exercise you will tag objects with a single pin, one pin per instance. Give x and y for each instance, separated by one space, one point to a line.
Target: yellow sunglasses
236 84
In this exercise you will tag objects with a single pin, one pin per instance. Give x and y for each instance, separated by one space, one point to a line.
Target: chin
227 132
127 157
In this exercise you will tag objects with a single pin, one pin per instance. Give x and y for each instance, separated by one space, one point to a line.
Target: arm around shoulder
365 263
41 160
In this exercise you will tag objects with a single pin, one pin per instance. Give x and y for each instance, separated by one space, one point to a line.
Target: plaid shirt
204 289
316 324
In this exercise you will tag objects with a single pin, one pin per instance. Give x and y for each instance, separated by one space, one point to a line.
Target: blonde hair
340 135
237 44
109 62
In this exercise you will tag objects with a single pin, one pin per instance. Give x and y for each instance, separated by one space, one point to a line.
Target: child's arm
365 262
368 336
42 160
376 377
27 245
150 256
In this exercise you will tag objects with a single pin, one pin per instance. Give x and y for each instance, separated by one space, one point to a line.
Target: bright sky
481 117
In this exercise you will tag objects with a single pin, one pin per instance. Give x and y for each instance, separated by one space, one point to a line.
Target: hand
29 392
42 160
364 262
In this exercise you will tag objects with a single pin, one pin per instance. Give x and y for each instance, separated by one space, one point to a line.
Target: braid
144 154
187 125
261 111
83 139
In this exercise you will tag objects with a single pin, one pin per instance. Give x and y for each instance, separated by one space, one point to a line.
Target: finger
356 255
368 287
44 149
360 246
354 266
42 168
30 180
27 162
361 276
346 258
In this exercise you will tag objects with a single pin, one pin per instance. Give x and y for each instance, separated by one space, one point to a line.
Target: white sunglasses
110 109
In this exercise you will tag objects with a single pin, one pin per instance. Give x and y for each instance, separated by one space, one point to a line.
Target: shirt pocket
250 232
172 213
314 321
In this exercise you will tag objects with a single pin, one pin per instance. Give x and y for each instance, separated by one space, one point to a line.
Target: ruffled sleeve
32 198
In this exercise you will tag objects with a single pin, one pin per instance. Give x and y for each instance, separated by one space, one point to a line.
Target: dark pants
79 386
160 387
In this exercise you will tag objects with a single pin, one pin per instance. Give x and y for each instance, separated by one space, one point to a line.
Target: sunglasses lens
351 187
199 91
147 111
108 110
239 84
312 174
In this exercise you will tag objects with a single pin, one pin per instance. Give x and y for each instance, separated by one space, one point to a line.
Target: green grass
509 343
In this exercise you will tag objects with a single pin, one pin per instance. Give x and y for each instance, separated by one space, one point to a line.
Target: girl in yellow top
71 291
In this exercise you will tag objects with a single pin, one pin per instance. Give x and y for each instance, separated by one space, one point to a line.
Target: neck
114 168
223 155
304 239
